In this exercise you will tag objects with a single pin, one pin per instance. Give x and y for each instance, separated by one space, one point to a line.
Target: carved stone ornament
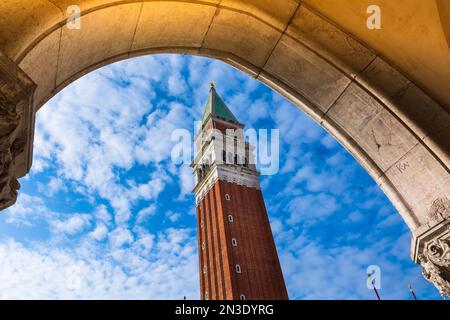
431 248
435 261
16 125
440 208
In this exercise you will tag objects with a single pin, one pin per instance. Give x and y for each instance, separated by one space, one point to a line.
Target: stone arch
398 132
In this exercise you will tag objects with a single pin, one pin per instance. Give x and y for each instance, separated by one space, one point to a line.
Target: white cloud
53 186
176 84
186 179
145 213
277 226
310 208
329 142
52 273
100 232
295 127
152 188
26 210
173 216
102 214
159 128
355 216
120 237
74 224
257 110
88 141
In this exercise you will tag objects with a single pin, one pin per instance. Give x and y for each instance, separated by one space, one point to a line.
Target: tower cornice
230 173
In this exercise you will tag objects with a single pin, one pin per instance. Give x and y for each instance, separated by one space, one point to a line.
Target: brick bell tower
237 254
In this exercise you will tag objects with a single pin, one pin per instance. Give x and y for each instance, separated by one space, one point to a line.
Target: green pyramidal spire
217 108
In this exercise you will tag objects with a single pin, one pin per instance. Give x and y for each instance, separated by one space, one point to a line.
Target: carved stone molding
440 209
435 260
16 127
431 247
235 174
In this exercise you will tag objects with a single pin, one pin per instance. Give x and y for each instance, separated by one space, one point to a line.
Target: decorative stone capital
16 128
431 246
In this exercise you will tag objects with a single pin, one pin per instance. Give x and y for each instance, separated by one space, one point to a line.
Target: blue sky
105 213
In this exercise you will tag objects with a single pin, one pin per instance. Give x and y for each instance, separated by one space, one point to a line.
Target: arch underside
396 130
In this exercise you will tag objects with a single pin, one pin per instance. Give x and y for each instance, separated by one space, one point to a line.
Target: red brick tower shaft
237 254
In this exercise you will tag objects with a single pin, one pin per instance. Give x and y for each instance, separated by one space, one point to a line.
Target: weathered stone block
329 41
354 109
23 21
382 80
375 129
304 71
420 179
94 41
439 142
274 13
292 95
176 24
421 113
225 35
427 119
352 146
45 53
386 139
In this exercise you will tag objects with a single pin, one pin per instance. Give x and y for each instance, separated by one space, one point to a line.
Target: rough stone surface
172 25
427 119
382 80
45 53
376 130
258 36
306 72
321 36
420 180
16 117
103 34
412 37
268 11
22 22
439 142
